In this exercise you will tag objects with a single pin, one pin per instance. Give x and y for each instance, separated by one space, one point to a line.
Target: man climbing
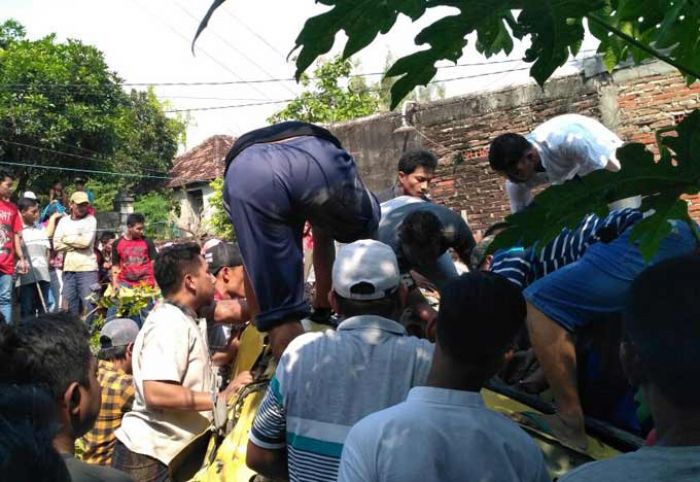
277 178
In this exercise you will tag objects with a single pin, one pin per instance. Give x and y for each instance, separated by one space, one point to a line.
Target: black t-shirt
82 472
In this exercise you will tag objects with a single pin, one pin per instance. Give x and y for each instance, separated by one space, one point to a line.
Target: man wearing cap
326 382
75 236
226 265
114 372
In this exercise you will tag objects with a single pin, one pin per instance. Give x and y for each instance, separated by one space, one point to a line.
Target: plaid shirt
117 398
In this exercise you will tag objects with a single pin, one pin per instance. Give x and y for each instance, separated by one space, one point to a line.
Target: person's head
79 204
6 181
29 210
53 351
416 171
181 271
28 424
80 183
662 331
226 265
480 260
135 224
514 157
106 238
117 339
480 315
366 280
421 239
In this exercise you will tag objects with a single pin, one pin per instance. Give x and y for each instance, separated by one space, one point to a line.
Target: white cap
29 195
368 262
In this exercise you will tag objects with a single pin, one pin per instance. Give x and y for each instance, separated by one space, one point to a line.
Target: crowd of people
390 390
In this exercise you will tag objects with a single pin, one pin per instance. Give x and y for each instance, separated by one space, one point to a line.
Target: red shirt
134 258
10 223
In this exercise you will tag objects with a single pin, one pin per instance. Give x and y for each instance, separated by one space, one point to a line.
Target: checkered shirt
117 398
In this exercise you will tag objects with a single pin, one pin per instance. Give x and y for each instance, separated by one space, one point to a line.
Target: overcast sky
148 41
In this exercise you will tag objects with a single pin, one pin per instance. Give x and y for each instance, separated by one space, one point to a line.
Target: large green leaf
661 183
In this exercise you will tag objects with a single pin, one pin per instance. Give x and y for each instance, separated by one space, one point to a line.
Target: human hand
22 266
243 379
280 336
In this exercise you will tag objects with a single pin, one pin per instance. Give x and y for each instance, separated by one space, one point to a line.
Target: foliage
61 106
156 206
219 222
105 190
331 95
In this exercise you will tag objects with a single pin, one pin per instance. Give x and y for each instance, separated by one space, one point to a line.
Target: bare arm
228 312
267 462
166 395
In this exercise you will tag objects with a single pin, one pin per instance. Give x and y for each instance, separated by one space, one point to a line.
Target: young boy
36 246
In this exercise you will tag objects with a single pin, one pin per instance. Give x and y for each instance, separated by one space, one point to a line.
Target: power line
245 26
69 154
91 171
273 80
473 76
228 43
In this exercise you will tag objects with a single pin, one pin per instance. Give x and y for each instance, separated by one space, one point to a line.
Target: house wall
191 222
633 102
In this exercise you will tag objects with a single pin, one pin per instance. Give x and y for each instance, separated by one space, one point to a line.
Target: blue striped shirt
524 266
326 382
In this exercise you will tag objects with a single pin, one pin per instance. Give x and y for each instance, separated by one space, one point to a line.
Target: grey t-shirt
455 232
82 472
679 464
36 249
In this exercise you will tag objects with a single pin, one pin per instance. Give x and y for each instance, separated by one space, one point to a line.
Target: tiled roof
202 163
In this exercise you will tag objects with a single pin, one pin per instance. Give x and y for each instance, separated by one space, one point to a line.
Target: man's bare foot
568 433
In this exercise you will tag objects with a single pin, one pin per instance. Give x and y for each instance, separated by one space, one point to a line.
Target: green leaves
361 20
661 183
668 26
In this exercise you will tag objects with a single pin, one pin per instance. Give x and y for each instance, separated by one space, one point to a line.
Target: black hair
134 219
4 174
25 203
480 315
112 353
386 307
107 235
412 160
420 228
174 263
662 321
506 150
28 425
51 351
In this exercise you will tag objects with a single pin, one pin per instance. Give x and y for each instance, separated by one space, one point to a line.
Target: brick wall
633 102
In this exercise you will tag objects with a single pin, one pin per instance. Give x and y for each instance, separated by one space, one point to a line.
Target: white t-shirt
439 434
171 346
569 145
36 248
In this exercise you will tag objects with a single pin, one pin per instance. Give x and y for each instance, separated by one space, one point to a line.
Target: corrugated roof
203 163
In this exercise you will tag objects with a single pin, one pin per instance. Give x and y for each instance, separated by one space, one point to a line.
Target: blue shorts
598 283
272 189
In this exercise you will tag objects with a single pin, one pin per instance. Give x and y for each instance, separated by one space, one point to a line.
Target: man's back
679 464
440 434
327 382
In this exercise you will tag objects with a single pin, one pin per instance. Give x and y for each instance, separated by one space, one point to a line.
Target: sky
148 42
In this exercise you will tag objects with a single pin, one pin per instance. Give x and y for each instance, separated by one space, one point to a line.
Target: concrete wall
190 221
632 102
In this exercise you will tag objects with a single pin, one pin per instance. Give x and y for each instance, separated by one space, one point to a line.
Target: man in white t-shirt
443 431
173 375
560 149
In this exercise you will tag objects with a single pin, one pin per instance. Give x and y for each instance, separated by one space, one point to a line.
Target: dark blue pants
77 287
272 189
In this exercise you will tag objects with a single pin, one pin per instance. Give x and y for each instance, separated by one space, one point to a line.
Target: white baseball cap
29 195
365 270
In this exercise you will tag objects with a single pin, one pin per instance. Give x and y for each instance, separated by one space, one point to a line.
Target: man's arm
168 395
228 312
84 239
267 447
19 254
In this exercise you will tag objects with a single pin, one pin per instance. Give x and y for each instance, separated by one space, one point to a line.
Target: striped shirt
524 266
326 382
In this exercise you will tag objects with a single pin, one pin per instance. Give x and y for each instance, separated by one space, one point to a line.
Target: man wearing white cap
75 236
325 382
